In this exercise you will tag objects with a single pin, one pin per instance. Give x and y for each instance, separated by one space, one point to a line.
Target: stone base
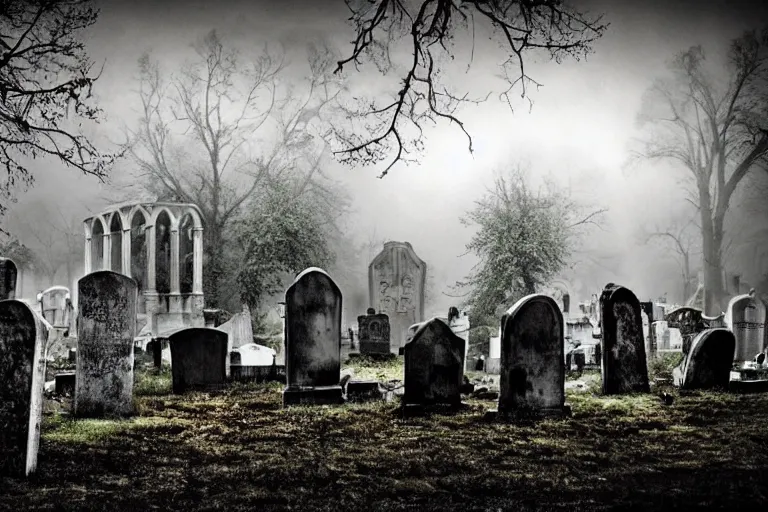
748 386
364 390
325 395
244 373
511 416
65 383
373 356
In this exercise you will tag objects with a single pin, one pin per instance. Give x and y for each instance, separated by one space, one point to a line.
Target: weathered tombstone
23 336
55 306
624 366
746 317
708 363
198 358
396 279
532 354
459 324
313 339
106 327
434 366
373 333
8 276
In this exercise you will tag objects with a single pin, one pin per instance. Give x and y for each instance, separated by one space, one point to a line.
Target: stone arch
116 242
138 218
97 243
194 213
163 221
136 210
158 211
187 225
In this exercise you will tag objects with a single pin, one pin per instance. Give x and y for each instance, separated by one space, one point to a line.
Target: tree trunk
213 265
712 235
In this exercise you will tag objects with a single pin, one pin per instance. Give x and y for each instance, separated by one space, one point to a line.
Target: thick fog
579 130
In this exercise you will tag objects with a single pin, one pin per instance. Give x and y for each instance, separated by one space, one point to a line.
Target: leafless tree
220 132
718 131
682 237
45 90
429 28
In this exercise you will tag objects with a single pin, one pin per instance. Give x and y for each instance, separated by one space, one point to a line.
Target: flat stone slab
247 373
364 390
321 395
389 356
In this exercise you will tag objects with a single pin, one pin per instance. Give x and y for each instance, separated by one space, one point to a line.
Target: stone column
175 288
126 248
197 261
150 294
106 251
88 263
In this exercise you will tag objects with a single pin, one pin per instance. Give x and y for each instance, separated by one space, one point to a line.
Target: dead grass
239 450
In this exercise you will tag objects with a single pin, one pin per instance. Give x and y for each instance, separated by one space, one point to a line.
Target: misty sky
578 130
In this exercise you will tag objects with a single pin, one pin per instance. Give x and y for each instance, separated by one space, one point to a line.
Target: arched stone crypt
160 244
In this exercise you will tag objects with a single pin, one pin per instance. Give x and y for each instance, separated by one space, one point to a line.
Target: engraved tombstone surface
708 363
396 279
532 356
22 368
624 367
374 333
53 302
746 317
8 277
312 337
105 330
434 365
198 359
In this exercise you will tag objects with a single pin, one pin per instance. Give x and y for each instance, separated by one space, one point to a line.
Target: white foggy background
578 130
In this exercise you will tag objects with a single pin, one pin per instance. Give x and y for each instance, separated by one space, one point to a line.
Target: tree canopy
430 29
45 90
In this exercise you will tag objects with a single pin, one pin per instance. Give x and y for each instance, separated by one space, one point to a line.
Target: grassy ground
239 450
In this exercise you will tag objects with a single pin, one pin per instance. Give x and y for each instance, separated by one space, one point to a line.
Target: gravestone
434 366
23 336
396 280
459 324
532 353
8 276
708 363
312 339
373 333
624 367
55 305
198 359
746 317
106 327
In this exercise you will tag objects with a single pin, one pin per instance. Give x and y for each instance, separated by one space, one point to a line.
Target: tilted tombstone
434 365
396 280
532 354
373 333
23 336
8 276
198 359
624 366
312 339
746 317
106 327
708 363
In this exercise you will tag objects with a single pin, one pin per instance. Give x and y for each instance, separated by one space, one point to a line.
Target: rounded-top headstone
532 357
370 311
198 359
8 276
23 336
708 364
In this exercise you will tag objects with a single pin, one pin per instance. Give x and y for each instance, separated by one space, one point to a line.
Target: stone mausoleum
160 244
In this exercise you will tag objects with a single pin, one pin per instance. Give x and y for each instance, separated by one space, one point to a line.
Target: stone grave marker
8 278
708 363
312 340
532 352
746 317
396 280
106 327
624 367
198 359
434 366
23 337
373 333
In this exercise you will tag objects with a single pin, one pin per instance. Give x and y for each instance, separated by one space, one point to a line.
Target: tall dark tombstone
312 340
708 363
23 337
106 327
373 333
198 359
434 366
8 277
624 363
532 354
